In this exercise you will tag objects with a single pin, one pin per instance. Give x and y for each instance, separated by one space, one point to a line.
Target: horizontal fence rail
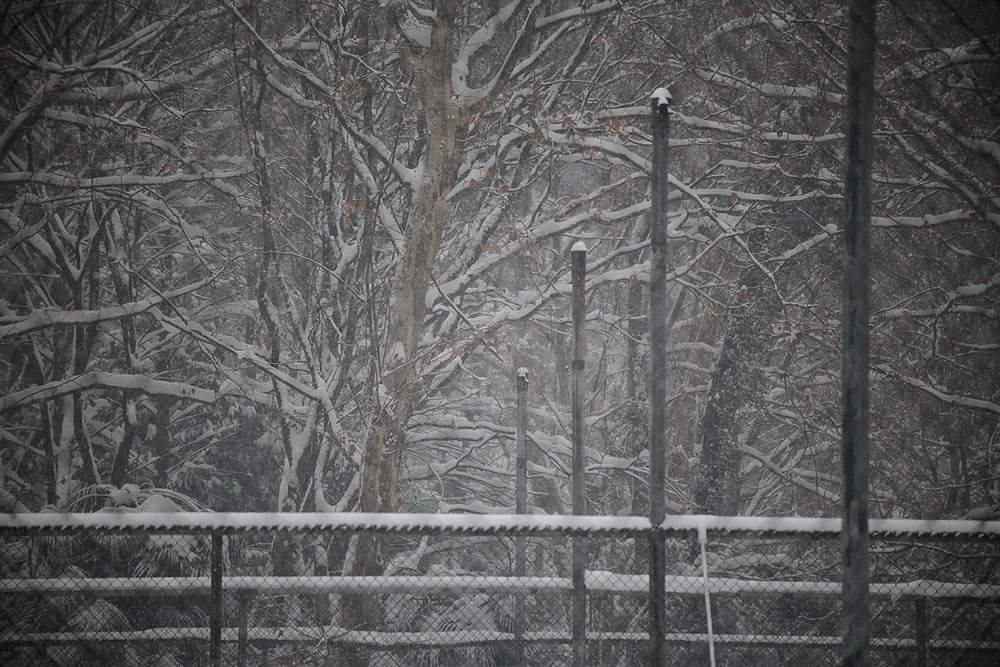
596 581
484 524
251 589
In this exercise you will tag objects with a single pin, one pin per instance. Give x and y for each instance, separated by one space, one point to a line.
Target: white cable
702 539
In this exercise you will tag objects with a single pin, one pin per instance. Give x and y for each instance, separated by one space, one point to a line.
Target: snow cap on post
522 372
662 97
579 246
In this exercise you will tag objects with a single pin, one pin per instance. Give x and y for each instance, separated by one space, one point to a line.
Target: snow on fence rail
473 524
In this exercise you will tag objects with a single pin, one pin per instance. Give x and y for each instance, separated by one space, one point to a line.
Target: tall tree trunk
734 398
431 71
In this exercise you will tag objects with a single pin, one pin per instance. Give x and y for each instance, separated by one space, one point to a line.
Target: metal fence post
520 506
854 374
578 261
241 653
215 607
658 374
921 613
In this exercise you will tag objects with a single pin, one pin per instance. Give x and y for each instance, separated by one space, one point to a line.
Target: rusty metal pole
520 506
578 261
660 122
854 373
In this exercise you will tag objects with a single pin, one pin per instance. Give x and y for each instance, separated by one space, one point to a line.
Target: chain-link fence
234 592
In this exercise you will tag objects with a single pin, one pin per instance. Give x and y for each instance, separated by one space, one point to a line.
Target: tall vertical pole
215 606
520 506
243 636
854 374
922 643
578 260
660 122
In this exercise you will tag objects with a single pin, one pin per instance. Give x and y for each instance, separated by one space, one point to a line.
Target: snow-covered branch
105 379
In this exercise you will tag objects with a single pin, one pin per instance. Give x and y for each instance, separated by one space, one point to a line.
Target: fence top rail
472 524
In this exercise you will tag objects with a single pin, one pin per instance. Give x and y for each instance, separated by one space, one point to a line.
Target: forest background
287 256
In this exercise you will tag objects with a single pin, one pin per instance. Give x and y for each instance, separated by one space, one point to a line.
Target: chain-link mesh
935 602
292 597
104 599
